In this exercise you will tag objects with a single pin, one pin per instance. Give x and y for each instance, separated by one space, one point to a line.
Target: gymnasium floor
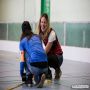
75 75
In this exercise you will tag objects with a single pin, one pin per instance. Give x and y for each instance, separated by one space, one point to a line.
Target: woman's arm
48 46
51 39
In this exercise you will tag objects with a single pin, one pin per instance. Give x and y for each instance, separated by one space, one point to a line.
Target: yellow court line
15 86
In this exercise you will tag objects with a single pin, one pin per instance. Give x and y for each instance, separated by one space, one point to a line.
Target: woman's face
43 24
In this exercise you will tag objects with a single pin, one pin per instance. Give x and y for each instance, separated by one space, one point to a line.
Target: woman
36 60
52 46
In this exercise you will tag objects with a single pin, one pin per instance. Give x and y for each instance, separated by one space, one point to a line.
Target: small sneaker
40 85
58 73
29 81
24 77
49 76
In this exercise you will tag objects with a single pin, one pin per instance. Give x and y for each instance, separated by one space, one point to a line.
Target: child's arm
22 53
22 63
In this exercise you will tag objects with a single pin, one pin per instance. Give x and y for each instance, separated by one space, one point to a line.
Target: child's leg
42 79
29 76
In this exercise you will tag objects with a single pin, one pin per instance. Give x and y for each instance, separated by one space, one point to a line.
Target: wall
19 10
69 18
10 11
69 34
61 10
69 53
70 10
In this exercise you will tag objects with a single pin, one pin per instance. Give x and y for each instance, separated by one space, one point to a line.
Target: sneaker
40 85
29 81
58 73
49 76
24 77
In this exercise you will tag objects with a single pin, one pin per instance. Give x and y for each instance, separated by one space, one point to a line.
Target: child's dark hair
26 26
26 30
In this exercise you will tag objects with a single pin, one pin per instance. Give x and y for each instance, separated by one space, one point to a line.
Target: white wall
0 7
69 53
76 53
12 46
12 10
70 10
61 10
19 10
32 10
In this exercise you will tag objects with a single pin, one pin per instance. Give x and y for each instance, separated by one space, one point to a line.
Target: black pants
55 62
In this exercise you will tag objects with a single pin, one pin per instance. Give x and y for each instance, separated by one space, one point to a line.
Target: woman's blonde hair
38 30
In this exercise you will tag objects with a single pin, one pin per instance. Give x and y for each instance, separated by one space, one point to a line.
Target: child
37 59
